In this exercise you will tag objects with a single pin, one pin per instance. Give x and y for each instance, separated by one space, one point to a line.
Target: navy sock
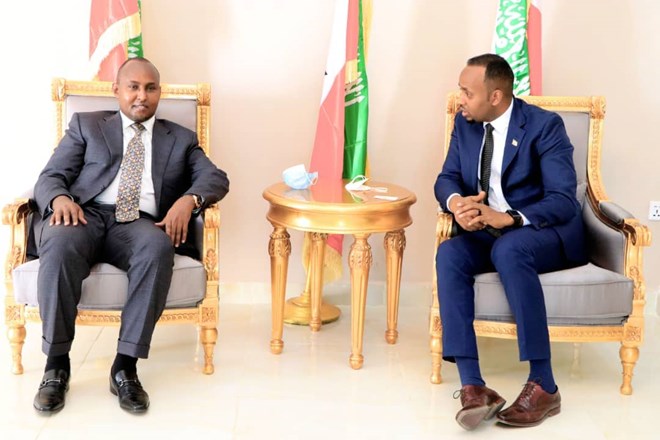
468 370
124 362
540 371
61 362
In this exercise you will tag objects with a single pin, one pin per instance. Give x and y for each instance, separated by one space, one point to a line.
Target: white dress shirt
500 125
147 193
495 195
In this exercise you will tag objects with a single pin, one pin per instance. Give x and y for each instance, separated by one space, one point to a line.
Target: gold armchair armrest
637 236
15 215
208 309
210 244
443 227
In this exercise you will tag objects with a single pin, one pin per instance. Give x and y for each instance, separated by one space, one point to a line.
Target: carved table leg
279 249
316 267
395 243
359 262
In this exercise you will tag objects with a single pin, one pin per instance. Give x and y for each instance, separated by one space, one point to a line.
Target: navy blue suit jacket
538 174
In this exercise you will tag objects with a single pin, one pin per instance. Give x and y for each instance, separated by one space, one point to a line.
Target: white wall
265 61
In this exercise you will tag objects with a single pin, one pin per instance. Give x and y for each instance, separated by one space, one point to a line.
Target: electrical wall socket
654 210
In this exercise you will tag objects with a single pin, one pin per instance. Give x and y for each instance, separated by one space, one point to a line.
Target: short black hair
498 71
139 59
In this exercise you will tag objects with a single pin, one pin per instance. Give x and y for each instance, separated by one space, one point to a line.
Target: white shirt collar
501 124
126 122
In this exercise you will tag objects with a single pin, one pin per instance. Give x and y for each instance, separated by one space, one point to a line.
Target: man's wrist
516 217
198 203
197 200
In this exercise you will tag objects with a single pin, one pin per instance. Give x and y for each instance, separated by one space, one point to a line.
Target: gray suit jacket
88 157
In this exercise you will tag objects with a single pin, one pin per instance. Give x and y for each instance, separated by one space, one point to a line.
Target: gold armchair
601 301
193 296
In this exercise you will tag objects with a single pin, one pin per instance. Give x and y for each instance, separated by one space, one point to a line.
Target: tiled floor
310 392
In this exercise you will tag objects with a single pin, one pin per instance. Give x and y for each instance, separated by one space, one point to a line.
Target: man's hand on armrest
177 218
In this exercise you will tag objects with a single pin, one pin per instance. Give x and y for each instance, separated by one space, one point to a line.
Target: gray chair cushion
106 287
585 295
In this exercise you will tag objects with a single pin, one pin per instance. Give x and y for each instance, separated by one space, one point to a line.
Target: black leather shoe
132 397
52 391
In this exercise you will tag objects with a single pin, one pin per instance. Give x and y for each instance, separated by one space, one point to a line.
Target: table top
330 208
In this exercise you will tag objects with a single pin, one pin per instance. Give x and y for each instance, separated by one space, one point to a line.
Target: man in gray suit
120 188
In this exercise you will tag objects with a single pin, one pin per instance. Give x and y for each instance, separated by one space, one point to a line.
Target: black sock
61 362
124 362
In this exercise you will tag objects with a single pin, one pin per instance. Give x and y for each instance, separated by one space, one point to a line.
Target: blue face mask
297 177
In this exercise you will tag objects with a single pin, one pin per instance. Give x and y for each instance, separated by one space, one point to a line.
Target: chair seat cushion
106 287
584 295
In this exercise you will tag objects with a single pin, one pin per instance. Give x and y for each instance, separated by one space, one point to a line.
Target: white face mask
297 177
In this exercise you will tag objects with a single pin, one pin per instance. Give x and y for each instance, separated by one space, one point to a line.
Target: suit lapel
475 142
113 136
515 135
162 143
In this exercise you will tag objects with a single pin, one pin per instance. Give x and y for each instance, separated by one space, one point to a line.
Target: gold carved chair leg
16 336
436 347
442 232
316 268
208 336
359 263
395 243
629 355
279 249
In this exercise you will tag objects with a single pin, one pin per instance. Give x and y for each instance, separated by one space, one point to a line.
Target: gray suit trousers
66 255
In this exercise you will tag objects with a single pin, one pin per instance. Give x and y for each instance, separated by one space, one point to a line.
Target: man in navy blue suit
510 183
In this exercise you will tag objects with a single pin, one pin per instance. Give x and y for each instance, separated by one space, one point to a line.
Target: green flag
134 48
357 108
510 41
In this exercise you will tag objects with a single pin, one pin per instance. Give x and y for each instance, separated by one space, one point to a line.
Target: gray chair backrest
183 112
577 127
604 245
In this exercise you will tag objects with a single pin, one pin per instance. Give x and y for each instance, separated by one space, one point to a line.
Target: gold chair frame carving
15 215
637 236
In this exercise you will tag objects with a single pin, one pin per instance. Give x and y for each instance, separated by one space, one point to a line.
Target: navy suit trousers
518 256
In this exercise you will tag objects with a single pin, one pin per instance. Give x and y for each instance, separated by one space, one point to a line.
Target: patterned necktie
486 158
130 180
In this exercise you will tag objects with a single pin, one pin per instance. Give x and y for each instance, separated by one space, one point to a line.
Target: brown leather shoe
479 403
532 407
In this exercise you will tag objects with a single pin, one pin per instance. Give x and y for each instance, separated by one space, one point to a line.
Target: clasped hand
473 215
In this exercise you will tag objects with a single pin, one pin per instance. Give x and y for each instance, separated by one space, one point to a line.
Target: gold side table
327 208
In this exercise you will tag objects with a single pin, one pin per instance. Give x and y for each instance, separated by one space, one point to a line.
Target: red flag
534 46
112 24
328 152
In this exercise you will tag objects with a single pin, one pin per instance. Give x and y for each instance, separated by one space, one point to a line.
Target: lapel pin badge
514 142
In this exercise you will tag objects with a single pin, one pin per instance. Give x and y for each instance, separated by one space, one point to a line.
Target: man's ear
496 97
115 88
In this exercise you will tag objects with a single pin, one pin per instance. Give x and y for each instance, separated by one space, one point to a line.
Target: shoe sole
552 412
127 408
44 411
471 418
